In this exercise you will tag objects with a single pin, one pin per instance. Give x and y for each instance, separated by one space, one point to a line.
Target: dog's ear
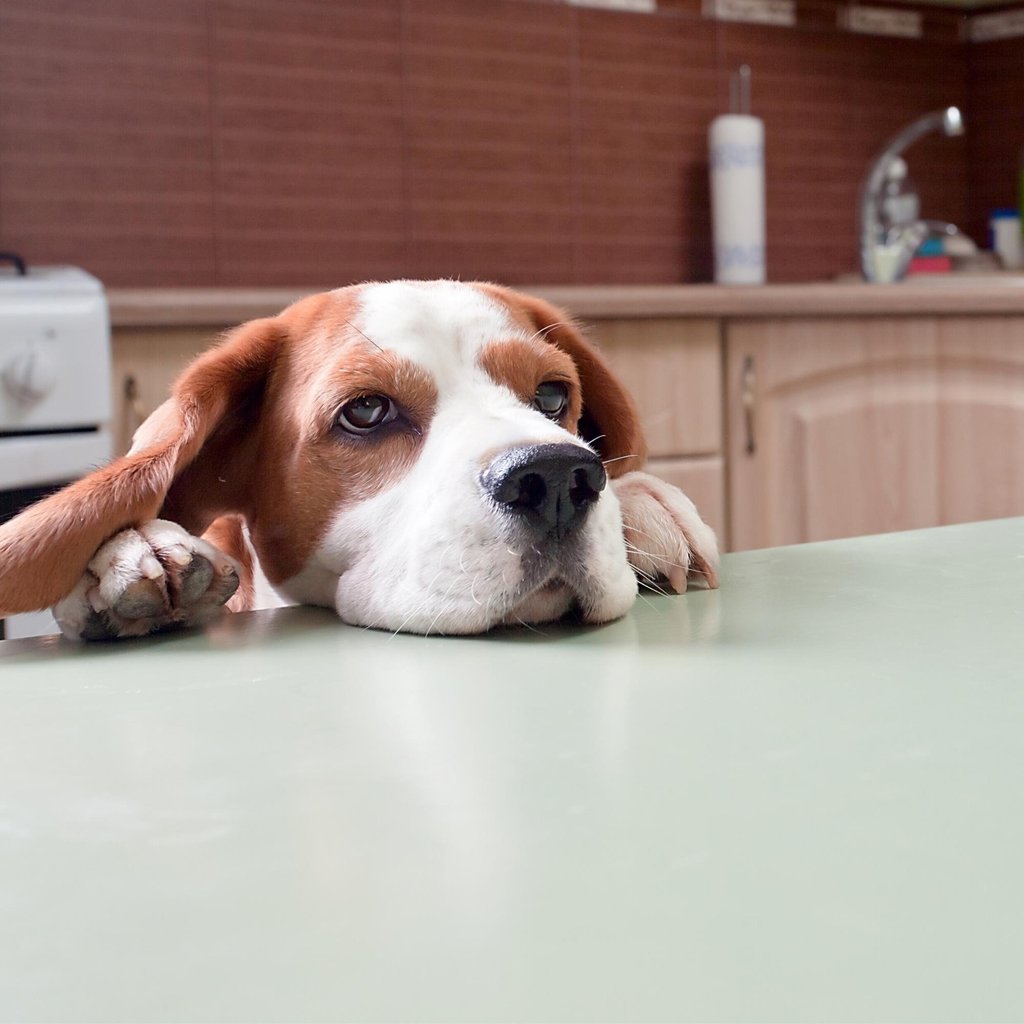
45 549
609 421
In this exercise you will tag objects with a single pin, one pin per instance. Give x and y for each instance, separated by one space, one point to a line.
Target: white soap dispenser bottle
736 152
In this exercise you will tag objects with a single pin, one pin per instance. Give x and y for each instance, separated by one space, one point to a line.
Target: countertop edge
222 307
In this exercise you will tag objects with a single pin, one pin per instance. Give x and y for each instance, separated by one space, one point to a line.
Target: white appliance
55 380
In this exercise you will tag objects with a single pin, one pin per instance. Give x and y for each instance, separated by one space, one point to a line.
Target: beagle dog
429 457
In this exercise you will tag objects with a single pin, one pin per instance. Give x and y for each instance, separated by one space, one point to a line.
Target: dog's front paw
141 581
665 535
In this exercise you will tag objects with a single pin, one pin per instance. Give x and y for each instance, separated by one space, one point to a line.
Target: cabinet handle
747 391
136 410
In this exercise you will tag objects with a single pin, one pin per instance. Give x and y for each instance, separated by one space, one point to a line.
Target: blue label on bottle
729 156
740 257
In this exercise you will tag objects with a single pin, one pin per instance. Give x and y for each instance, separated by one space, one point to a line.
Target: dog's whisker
364 335
445 606
666 561
650 580
425 603
690 569
632 528
660 591
440 563
548 328
408 618
618 458
530 627
656 557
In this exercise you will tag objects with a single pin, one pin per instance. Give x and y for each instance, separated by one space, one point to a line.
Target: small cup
1006 238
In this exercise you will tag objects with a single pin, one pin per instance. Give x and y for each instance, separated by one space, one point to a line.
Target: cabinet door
702 480
146 361
982 418
854 426
673 370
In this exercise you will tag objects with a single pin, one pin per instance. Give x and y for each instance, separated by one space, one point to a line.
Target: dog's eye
365 414
551 398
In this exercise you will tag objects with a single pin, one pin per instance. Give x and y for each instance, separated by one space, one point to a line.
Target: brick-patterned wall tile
488 140
308 141
314 142
104 138
995 128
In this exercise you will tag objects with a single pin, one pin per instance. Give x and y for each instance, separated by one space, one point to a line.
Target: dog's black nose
549 487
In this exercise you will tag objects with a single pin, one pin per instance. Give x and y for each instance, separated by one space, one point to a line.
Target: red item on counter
930 265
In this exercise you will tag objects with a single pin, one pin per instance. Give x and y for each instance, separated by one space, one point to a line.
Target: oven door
32 466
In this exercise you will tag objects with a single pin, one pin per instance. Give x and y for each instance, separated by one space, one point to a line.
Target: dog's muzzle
547 488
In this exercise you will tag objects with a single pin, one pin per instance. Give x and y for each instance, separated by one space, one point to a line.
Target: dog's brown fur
245 434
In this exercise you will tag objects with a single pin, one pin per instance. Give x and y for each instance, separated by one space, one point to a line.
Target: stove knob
30 375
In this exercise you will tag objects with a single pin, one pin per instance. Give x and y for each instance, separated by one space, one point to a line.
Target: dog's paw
665 535
141 581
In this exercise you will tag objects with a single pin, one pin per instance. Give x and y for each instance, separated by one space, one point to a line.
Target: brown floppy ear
609 421
45 549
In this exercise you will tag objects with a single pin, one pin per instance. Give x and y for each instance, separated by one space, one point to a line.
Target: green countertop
797 798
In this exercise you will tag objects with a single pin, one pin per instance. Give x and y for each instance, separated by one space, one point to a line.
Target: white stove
55 382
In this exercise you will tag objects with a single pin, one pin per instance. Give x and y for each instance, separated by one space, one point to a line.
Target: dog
428 457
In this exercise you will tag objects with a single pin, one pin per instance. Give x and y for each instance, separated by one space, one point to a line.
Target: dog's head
427 456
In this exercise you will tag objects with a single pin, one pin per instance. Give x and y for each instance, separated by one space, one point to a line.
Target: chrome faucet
885 256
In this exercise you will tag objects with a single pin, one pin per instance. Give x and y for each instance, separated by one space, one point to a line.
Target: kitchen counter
950 295
798 798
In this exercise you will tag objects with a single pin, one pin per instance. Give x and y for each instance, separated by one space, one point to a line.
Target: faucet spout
898 253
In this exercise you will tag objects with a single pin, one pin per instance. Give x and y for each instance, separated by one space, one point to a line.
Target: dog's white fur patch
432 553
441 325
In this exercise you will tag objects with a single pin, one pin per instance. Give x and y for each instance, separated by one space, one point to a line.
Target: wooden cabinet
839 427
672 366
860 424
673 370
146 361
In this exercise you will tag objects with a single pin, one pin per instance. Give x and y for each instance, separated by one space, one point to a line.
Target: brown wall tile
995 137
487 109
306 142
646 91
104 138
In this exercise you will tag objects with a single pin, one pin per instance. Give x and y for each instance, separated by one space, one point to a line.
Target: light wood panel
982 418
836 440
702 480
672 367
152 357
866 426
